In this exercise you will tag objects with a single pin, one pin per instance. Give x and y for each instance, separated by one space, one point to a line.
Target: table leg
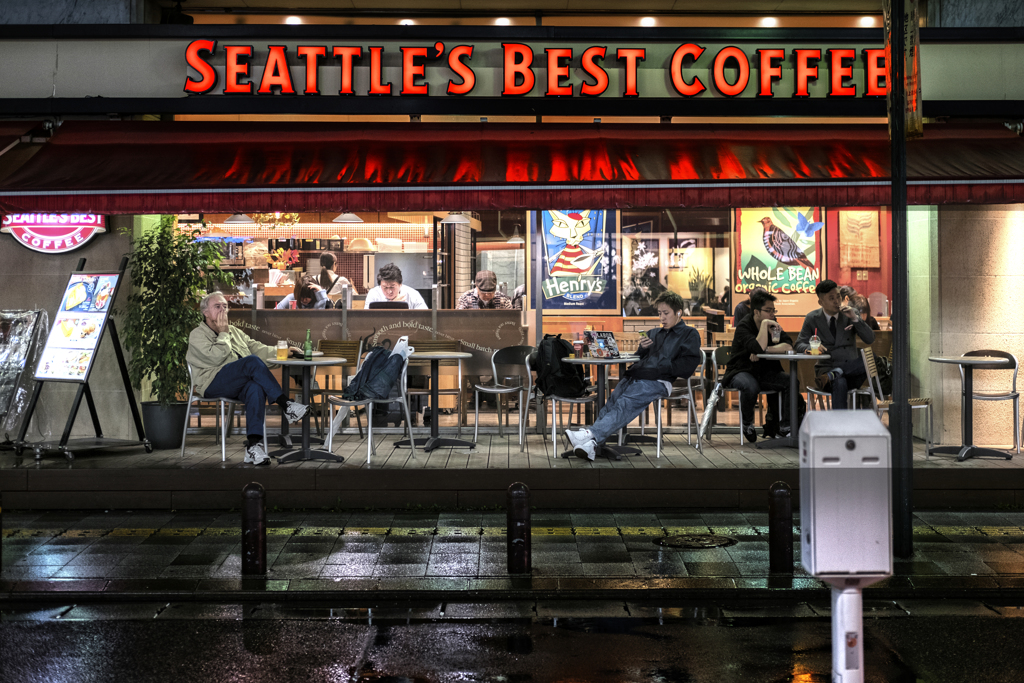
285 438
968 449
791 440
435 440
306 453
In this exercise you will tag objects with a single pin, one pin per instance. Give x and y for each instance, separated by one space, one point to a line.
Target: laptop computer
388 304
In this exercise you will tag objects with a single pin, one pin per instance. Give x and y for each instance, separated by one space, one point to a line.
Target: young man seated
758 332
227 363
668 353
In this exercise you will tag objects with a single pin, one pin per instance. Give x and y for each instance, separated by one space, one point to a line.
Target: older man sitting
228 363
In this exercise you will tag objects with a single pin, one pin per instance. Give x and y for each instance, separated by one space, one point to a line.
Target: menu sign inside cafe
53 233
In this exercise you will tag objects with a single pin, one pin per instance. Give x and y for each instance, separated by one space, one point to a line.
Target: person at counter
328 279
390 288
308 293
666 354
227 362
484 295
517 297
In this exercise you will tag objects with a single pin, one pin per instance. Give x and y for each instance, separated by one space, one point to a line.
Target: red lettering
377 86
312 54
685 89
347 54
718 75
557 71
410 70
804 71
876 68
518 59
632 56
236 67
599 75
769 71
839 72
461 70
275 73
207 74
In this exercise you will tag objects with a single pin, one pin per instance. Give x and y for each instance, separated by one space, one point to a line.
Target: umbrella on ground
709 410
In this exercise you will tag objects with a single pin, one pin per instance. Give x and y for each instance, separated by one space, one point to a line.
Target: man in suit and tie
837 327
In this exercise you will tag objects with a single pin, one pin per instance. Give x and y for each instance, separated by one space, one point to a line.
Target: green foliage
170 271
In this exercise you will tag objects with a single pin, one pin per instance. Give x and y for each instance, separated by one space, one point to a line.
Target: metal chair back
1011 364
510 355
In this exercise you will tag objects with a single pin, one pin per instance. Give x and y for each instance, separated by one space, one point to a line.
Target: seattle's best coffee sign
511 69
53 233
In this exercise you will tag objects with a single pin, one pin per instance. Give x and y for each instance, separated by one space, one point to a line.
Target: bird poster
580 265
780 249
858 239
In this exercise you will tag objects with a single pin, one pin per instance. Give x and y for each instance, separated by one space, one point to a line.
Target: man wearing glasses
758 332
390 288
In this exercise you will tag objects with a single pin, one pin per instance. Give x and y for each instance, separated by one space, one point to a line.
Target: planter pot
164 424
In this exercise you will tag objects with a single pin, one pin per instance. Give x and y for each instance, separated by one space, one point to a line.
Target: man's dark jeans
247 380
750 385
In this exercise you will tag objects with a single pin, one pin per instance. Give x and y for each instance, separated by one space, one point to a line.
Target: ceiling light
769 22
515 238
867 22
406 22
347 217
238 218
502 21
293 20
647 21
455 218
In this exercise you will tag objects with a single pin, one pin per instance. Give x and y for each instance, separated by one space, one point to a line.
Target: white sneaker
255 455
402 348
295 411
583 443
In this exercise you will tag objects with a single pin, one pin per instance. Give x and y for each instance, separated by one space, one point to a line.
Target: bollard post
254 530
780 528
518 529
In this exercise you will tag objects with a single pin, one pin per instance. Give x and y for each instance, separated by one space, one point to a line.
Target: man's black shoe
784 430
749 433
769 430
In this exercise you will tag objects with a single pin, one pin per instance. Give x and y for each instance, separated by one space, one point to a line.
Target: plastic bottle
814 343
307 348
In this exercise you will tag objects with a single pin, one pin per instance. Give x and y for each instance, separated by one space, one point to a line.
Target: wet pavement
196 556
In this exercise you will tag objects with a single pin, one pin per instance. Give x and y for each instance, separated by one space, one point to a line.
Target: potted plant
170 272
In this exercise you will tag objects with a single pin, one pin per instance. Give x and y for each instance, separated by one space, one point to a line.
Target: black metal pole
518 529
1 532
780 528
254 530
900 424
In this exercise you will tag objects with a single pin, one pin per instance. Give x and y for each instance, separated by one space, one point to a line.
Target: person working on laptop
668 353
390 288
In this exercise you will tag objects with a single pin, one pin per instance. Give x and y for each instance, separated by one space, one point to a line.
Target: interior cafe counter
481 332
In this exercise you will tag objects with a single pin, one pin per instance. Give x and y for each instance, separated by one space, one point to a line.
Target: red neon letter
461 70
838 73
557 71
275 73
312 54
805 72
235 69
377 86
682 52
347 54
876 67
590 66
410 70
768 71
718 76
518 59
631 56
207 73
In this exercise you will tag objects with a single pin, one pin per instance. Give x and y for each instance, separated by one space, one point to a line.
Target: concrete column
925 314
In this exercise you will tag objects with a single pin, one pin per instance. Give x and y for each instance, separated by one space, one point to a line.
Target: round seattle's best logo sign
53 233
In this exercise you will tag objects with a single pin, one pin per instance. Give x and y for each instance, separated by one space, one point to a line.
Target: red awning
171 167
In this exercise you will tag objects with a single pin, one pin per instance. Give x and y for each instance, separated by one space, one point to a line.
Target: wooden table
435 440
287 455
790 441
967 449
611 452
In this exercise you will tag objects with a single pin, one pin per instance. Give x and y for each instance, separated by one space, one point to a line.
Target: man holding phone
759 332
838 327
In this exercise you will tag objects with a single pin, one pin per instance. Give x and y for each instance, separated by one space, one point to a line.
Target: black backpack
378 375
553 376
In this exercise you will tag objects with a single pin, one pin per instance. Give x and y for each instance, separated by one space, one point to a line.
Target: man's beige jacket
208 352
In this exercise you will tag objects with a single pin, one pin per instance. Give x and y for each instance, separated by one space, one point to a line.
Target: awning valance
170 167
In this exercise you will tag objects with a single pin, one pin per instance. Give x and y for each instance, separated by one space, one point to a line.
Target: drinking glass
282 349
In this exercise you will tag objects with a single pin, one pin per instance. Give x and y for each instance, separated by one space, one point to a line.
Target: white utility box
845 496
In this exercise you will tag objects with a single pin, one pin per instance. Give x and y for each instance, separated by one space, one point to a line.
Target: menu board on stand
69 354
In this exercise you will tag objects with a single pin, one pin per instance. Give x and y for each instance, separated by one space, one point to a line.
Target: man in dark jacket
667 353
758 332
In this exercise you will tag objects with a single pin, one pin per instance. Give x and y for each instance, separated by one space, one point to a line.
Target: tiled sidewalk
381 553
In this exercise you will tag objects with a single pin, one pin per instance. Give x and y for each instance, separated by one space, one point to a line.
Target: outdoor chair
1010 394
678 394
225 416
722 354
881 404
555 400
512 355
351 350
